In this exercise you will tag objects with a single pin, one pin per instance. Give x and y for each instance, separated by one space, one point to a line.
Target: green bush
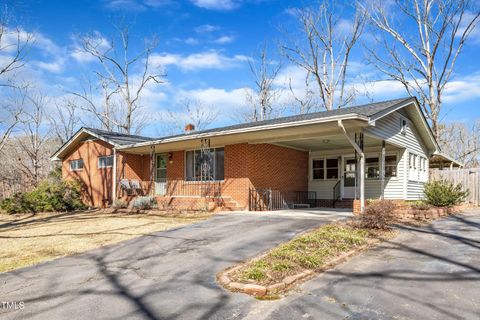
443 193
52 194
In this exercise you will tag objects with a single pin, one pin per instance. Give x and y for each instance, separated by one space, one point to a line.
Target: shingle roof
119 138
367 110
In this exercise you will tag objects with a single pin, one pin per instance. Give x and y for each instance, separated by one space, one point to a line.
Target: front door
160 174
349 178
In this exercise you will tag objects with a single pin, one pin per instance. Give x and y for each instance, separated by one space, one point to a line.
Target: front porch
330 169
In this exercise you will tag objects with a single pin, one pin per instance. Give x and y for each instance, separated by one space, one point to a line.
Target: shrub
443 193
378 215
119 204
144 203
18 203
420 205
52 194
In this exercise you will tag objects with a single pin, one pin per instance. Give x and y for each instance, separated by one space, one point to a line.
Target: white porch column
362 182
114 176
362 164
382 172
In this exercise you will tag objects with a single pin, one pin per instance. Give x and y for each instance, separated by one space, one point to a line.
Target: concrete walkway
167 275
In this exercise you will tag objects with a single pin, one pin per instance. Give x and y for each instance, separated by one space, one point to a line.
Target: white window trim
325 158
397 162
367 156
214 165
75 160
311 168
102 157
418 171
342 165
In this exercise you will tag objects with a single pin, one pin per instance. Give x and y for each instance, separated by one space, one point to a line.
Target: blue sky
206 44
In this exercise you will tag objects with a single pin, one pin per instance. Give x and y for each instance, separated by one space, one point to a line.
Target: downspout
114 184
362 165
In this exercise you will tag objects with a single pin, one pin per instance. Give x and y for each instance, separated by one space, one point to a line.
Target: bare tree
323 48
305 102
263 95
122 78
64 120
192 111
461 142
10 116
14 44
425 58
31 143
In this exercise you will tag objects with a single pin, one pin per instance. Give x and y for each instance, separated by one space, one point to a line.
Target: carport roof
367 111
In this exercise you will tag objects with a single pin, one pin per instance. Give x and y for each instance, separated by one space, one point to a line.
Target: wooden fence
468 178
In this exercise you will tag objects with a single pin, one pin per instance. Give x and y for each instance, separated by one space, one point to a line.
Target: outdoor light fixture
170 157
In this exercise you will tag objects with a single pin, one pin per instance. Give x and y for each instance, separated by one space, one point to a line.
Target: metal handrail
336 192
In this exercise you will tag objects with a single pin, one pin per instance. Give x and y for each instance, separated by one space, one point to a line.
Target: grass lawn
309 251
30 239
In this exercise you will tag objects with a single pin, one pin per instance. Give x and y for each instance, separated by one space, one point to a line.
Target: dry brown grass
30 239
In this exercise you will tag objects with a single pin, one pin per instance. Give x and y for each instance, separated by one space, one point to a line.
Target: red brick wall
279 168
175 166
263 166
259 166
97 182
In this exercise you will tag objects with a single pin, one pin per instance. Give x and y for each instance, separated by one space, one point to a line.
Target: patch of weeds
282 266
254 273
309 251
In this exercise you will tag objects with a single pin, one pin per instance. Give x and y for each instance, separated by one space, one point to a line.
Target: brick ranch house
335 158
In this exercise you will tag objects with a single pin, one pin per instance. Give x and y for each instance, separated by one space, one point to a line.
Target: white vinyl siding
413 179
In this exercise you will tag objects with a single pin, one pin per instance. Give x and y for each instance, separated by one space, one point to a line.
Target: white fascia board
56 157
247 130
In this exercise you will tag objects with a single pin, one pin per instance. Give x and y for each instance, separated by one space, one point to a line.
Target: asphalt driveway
431 272
425 273
162 276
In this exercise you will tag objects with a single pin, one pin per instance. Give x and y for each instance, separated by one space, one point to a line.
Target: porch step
344 204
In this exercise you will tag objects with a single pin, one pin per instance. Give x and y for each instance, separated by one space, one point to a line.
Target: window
423 169
325 169
76 165
332 168
403 126
372 168
318 169
390 166
105 162
194 164
414 163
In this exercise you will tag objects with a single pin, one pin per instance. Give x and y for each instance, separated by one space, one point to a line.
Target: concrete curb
287 282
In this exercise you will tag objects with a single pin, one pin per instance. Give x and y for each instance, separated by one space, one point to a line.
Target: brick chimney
189 128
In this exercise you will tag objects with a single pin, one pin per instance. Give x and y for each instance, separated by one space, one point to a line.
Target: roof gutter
350 116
